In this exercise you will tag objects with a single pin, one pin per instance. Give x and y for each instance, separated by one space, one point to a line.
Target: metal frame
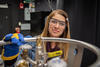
78 43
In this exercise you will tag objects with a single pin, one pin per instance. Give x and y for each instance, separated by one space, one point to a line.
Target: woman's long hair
66 33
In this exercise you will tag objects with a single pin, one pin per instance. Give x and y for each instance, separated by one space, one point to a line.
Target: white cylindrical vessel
56 62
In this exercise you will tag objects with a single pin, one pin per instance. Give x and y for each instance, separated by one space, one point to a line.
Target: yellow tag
55 53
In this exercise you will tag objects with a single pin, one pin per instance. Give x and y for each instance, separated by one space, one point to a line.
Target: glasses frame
55 21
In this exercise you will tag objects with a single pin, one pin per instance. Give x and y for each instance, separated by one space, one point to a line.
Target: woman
57 25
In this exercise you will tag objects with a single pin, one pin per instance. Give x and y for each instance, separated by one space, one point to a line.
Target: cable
50 5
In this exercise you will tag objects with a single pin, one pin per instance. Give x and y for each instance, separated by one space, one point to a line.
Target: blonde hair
66 33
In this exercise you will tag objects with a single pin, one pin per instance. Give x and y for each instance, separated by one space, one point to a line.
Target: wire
50 5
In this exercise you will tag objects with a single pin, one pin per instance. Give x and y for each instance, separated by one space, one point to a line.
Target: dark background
85 24
83 16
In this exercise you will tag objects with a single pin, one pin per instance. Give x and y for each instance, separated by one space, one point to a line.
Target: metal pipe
89 46
31 61
59 4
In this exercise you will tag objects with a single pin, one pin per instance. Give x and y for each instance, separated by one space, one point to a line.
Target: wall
84 24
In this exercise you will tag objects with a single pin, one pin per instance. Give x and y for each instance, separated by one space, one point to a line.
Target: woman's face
57 25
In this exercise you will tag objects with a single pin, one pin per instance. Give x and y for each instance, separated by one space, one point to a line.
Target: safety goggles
55 21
